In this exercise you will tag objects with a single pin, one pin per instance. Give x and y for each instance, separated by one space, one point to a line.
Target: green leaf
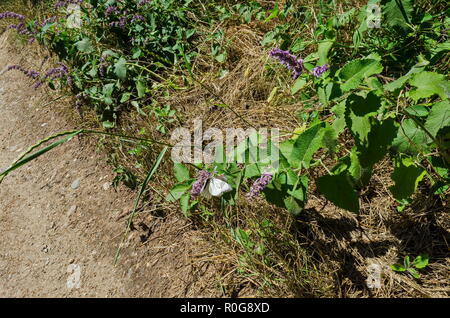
398 268
181 172
85 45
298 85
406 176
177 191
429 84
413 272
406 262
306 145
420 261
184 203
108 124
398 13
417 110
398 83
125 97
323 50
439 117
358 113
140 86
338 189
354 72
410 138
120 68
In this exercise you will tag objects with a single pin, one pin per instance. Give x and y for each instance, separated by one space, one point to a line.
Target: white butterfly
215 187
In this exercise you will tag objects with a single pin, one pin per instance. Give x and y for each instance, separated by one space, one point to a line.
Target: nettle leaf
358 112
398 13
418 111
406 176
339 190
177 191
85 45
429 84
181 172
354 72
306 145
439 117
322 51
120 68
410 139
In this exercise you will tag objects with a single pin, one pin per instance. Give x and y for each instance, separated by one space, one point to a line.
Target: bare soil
59 216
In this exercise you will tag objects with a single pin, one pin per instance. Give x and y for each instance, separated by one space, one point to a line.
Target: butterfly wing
217 187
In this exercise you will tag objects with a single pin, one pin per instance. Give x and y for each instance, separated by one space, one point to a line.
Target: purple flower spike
259 185
11 15
198 185
319 70
143 2
289 60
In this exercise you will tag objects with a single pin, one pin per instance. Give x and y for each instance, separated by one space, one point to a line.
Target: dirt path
60 221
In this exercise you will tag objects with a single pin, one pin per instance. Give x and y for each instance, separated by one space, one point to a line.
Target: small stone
106 186
44 124
75 184
72 210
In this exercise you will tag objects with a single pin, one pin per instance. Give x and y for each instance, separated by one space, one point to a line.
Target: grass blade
138 198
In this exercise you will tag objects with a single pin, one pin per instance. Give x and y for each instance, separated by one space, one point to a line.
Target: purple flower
289 60
259 185
110 10
11 15
28 73
65 3
198 185
137 17
143 2
319 70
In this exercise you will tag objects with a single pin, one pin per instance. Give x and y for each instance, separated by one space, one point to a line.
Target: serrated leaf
354 72
85 45
358 112
181 172
120 68
406 177
305 146
398 13
410 138
339 190
298 85
429 84
417 110
438 118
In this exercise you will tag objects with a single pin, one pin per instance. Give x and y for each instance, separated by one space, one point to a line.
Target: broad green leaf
398 13
323 50
439 117
413 272
354 72
417 110
406 176
306 145
177 191
420 261
85 45
181 172
410 139
429 84
184 203
339 190
358 113
140 86
120 68
298 85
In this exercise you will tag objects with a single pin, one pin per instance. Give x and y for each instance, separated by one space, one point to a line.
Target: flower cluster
52 74
111 10
198 185
319 70
11 15
137 17
259 185
289 60
143 2
29 73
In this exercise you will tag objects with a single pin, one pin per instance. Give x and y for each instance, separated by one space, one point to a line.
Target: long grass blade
138 198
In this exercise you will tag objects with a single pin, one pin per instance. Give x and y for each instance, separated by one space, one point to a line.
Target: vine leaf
406 176
339 190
